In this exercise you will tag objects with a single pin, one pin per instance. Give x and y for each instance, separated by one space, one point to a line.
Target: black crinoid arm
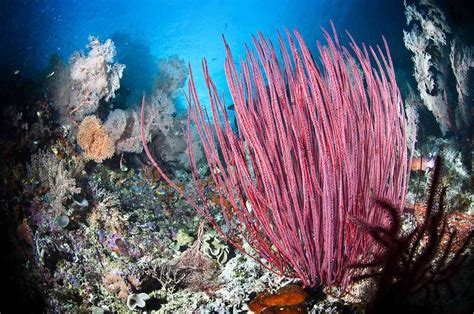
413 267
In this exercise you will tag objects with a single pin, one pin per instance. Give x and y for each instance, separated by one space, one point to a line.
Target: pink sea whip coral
316 143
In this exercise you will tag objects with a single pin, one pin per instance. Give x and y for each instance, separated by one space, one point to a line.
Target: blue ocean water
145 30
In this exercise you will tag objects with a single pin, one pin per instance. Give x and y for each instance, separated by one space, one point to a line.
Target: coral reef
459 195
89 226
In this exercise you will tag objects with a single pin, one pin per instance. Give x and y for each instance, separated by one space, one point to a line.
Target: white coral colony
137 300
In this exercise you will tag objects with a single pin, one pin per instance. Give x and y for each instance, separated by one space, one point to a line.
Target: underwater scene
285 156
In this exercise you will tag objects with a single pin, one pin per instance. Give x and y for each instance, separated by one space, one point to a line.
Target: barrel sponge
94 140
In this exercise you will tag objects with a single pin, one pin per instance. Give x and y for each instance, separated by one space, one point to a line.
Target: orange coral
94 139
114 283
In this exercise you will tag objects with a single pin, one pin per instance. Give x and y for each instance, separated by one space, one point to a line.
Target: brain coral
93 138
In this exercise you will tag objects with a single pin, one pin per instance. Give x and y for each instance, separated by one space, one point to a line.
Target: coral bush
78 87
51 173
314 145
94 140
172 73
169 144
428 39
123 129
115 124
162 126
462 60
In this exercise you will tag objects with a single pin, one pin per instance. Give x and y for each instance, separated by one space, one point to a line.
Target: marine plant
315 143
421 260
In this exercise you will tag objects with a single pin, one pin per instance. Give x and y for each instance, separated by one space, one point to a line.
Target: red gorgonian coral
316 141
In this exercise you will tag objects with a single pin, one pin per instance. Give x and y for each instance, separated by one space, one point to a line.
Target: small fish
231 107
161 191
65 129
82 203
55 150
121 247
422 164
50 74
16 72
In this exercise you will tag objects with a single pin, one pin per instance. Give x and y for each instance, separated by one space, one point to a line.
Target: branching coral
462 60
428 34
172 73
163 125
427 39
106 212
123 126
77 89
104 198
52 174
95 76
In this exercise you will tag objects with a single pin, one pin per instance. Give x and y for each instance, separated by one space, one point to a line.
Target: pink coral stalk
316 143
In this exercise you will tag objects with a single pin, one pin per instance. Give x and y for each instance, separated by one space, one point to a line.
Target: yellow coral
92 137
